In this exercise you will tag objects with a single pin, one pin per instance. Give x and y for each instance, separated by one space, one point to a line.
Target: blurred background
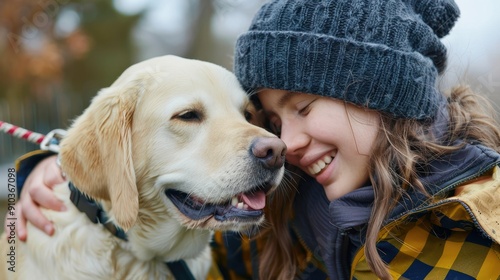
56 54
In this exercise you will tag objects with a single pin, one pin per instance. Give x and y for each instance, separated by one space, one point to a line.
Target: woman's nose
294 138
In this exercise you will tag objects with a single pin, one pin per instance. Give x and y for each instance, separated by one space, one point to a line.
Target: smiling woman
335 153
350 87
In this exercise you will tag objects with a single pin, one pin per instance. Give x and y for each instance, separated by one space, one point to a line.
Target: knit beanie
380 54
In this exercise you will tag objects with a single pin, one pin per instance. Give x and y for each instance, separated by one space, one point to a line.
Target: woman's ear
96 153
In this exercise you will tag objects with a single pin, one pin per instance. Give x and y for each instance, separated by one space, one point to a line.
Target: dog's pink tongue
255 200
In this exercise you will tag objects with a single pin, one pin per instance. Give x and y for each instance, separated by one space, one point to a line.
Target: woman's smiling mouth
319 165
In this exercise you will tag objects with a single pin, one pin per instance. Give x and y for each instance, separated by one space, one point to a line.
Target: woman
400 178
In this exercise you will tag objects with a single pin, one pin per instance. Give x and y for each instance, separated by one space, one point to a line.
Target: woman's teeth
320 164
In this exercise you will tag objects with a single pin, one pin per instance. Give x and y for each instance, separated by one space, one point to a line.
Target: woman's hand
37 192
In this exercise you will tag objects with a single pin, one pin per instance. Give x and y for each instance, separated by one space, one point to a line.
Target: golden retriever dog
169 154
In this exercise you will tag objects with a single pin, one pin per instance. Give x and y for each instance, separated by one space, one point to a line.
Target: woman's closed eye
304 107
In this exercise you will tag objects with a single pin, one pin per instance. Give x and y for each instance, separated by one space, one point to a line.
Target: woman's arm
36 193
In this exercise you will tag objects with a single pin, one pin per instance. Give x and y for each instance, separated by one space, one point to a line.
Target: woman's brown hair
400 146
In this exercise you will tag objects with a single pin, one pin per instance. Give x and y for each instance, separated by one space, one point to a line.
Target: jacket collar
443 175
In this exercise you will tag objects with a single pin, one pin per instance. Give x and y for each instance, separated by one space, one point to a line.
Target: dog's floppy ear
96 154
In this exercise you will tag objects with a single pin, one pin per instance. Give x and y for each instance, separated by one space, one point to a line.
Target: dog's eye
191 115
248 116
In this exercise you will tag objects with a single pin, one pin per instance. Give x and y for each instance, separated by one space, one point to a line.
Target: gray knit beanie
380 54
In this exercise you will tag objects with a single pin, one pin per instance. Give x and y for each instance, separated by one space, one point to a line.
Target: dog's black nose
270 151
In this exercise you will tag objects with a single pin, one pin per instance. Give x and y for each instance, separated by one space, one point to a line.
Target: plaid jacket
453 238
455 235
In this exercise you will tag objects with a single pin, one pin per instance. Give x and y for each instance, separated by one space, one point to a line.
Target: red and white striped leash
48 142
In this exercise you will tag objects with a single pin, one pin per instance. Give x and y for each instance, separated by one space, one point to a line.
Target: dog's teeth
240 205
234 201
245 207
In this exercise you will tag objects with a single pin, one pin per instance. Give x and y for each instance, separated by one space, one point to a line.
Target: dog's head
174 134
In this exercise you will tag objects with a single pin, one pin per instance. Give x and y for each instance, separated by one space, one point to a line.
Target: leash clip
52 140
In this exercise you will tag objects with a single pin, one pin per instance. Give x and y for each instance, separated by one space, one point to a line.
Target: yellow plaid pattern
455 239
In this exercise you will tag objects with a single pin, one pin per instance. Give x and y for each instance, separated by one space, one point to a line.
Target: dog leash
49 142
92 209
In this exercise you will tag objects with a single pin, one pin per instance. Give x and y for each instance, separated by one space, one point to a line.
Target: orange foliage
31 52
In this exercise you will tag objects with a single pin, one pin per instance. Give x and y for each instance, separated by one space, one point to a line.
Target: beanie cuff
370 75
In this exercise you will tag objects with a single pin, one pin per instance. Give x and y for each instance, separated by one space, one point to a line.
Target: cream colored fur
134 141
